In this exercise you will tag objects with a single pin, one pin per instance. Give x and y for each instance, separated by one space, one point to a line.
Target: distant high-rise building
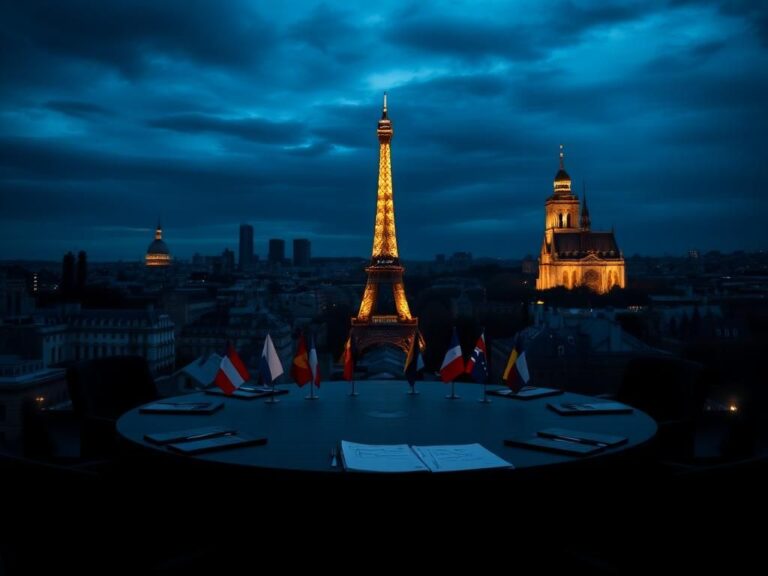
572 254
82 270
68 274
276 251
246 247
158 253
227 261
301 252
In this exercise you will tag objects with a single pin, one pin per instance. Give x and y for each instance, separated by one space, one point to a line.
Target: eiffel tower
379 320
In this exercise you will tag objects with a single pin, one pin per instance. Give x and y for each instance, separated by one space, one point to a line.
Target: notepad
597 439
525 393
189 434
216 443
248 393
405 458
555 445
181 407
588 408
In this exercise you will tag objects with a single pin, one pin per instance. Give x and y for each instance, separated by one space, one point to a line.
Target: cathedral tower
572 254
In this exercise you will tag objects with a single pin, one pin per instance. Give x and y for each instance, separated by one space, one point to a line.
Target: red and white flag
232 372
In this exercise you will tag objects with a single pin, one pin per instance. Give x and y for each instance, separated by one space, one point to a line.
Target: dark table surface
301 433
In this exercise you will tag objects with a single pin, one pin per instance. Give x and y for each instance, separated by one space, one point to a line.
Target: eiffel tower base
366 335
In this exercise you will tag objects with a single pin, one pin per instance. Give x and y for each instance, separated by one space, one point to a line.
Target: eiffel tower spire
384 236
371 326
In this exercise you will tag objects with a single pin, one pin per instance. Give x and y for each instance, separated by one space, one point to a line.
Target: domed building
572 254
158 253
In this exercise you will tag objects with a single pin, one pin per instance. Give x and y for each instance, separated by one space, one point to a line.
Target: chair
101 391
672 392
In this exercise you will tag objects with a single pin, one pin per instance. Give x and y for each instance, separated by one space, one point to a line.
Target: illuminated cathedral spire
584 220
562 182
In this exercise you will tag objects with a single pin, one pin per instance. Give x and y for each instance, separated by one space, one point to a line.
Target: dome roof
158 247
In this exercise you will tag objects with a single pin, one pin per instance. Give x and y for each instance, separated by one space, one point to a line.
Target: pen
195 404
213 434
578 440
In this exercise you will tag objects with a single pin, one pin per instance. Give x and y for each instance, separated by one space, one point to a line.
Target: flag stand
413 391
272 397
312 395
484 399
452 395
353 392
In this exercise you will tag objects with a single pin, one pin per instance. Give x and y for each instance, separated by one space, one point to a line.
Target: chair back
108 387
665 388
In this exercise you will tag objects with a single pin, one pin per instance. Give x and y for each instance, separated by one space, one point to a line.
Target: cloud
131 36
254 129
209 114
77 109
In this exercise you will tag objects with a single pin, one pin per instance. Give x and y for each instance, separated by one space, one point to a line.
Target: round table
302 433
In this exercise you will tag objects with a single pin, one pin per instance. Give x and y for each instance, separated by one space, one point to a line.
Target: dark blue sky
214 113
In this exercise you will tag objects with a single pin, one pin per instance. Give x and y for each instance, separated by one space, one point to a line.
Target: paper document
404 458
452 458
380 458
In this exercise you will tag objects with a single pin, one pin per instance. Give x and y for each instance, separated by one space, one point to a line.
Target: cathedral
572 254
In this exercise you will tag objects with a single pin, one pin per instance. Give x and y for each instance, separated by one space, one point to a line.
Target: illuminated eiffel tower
374 324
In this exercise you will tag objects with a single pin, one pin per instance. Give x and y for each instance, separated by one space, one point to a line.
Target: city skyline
217 115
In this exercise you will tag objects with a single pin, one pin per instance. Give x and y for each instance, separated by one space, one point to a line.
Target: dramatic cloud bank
209 114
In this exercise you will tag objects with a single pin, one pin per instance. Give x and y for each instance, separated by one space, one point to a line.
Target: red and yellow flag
300 370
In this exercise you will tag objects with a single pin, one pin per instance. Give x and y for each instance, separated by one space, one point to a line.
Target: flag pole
273 397
452 395
484 399
313 370
354 392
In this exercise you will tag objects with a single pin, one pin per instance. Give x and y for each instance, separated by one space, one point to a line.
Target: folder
525 393
188 434
248 393
181 407
594 438
589 408
224 442
555 445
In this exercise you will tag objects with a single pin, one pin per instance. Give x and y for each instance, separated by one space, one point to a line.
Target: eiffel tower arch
384 317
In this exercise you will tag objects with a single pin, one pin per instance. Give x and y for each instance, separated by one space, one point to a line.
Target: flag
516 373
413 362
300 370
269 363
232 372
314 370
349 359
477 365
453 363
